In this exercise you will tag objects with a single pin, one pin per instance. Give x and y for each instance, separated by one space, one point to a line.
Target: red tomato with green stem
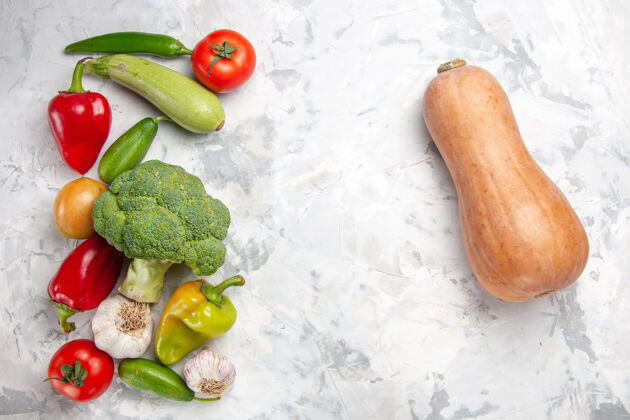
80 371
223 60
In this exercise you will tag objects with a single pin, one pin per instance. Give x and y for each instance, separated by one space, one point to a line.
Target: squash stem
98 66
449 65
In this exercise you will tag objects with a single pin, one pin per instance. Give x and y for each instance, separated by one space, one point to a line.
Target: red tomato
92 378
223 60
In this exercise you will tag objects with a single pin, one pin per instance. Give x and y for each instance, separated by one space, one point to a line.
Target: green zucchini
183 100
129 149
154 377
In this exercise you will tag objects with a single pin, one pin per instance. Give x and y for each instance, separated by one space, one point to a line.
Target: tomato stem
220 51
72 374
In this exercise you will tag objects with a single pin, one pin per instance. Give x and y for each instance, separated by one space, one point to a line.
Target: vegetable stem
64 312
214 293
72 374
449 65
98 66
220 51
144 279
184 51
75 85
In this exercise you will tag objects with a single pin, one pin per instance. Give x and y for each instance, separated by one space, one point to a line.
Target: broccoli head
158 214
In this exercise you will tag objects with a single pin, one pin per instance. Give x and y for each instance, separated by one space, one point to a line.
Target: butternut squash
522 238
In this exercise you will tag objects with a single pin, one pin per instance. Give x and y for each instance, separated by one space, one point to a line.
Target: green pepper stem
64 312
206 399
179 49
214 293
75 85
161 117
183 51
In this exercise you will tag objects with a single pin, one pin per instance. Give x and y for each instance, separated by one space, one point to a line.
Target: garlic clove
122 327
209 373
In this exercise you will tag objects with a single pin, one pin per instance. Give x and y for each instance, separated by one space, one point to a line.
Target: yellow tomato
73 207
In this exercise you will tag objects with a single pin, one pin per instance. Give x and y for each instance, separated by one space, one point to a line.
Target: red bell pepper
84 279
79 122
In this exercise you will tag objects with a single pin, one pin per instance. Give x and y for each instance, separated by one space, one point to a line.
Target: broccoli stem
144 280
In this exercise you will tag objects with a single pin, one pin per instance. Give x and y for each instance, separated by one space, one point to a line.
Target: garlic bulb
209 373
122 327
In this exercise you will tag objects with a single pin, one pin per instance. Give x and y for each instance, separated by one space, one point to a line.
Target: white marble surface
360 302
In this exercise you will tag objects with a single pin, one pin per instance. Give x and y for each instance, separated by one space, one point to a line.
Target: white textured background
360 303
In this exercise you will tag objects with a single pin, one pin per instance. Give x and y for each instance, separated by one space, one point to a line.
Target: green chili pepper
151 376
130 42
129 150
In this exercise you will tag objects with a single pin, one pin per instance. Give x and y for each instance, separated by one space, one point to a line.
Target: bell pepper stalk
195 313
84 279
79 121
